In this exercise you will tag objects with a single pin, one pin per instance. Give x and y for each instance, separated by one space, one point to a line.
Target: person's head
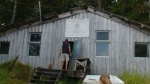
66 40
105 79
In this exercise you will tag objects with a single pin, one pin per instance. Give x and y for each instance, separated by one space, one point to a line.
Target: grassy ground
19 75
127 77
22 72
70 81
134 78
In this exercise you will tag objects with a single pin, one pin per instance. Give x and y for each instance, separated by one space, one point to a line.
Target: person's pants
64 57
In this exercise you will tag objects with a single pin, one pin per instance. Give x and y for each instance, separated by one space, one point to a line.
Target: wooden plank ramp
45 76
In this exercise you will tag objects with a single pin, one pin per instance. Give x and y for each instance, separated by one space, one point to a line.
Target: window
4 47
102 43
34 44
141 50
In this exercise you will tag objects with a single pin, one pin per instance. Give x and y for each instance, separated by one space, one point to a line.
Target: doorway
71 46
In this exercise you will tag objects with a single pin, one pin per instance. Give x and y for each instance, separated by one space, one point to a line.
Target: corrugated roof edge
136 23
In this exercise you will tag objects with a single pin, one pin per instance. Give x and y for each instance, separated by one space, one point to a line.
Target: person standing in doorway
65 52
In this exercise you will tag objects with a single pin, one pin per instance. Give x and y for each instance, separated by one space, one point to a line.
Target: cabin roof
73 11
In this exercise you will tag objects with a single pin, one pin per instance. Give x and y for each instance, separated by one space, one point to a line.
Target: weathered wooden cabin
113 43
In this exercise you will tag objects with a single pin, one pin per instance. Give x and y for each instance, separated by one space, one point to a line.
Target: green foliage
30 8
6 65
136 10
6 79
3 74
21 72
6 8
12 81
19 75
70 81
134 78
127 77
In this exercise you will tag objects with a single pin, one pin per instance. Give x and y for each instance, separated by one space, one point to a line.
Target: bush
19 74
6 65
134 78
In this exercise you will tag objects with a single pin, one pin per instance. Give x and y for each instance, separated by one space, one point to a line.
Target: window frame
102 41
34 42
8 47
144 43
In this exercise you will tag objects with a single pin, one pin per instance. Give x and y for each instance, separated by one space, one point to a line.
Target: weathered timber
73 74
45 76
82 64
122 36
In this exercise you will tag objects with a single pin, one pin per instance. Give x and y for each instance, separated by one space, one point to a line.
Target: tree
14 12
133 9
5 11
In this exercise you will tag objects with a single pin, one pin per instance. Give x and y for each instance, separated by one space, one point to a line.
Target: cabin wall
121 46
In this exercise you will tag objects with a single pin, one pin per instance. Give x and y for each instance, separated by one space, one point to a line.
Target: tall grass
134 78
20 73
3 74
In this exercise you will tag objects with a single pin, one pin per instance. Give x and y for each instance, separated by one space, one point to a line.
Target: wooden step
43 81
47 73
47 70
45 77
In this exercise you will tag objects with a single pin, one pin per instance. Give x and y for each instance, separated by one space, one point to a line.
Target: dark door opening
71 46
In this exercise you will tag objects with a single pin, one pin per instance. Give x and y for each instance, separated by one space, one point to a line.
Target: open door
75 54
71 46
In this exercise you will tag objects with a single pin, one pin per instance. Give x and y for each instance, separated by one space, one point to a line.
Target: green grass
70 81
3 74
134 78
22 72
19 75
126 77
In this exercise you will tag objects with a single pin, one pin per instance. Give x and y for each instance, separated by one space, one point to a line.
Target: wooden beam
81 63
13 64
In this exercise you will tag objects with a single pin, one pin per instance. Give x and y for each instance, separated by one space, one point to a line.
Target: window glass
34 44
102 49
35 37
34 49
141 50
4 47
102 36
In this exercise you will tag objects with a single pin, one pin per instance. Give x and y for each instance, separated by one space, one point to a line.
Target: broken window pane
34 49
34 44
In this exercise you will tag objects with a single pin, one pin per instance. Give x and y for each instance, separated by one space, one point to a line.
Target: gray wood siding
121 46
